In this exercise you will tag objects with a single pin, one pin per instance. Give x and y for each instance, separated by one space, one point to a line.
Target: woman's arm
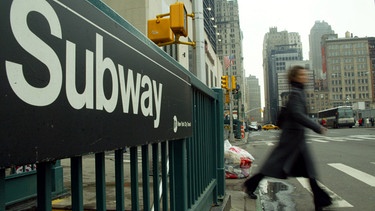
297 110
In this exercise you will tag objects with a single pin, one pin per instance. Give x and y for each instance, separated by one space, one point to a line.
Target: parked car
270 127
253 127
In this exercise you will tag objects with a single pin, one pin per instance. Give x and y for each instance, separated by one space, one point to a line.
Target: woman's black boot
251 184
321 198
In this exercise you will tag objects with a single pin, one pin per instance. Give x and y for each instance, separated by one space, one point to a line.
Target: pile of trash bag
237 161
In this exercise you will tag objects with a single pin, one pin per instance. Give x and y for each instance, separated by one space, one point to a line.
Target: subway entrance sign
74 81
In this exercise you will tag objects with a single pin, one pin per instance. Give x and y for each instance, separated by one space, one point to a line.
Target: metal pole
44 187
231 136
2 189
199 39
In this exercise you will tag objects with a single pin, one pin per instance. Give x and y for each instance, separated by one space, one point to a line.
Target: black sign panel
73 81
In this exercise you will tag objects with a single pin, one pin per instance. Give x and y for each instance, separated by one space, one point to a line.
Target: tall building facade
229 46
278 48
138 12
210 22
350 64
319 29
254 100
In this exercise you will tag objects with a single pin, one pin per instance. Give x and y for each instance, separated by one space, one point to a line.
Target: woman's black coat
291 157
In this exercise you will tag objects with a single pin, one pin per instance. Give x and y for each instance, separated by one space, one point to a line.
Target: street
345 162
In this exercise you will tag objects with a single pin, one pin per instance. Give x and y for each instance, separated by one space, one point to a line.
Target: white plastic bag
237 161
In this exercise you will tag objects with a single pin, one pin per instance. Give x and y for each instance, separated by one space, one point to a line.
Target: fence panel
186 161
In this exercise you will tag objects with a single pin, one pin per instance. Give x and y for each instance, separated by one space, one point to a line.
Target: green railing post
76 183
134 178
155 175
145 177
164 167
172 187
220 143
2 189
180 170
44 189
119 179
57 179
100 181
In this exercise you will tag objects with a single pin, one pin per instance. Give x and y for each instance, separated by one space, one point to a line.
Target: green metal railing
187 174
19 183
191 170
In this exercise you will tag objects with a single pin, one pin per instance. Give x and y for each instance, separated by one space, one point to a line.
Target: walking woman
291 157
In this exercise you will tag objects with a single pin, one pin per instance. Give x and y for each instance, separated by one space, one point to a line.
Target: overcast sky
256 17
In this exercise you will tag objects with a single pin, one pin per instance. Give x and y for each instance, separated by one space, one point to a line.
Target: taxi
270 127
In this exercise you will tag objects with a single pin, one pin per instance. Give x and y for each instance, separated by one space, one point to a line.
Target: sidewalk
88 180
238 199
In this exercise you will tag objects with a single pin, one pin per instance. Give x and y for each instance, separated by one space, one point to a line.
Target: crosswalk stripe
325 139
339 139
319 140
360 140
314 136
337 200
368 137
359 175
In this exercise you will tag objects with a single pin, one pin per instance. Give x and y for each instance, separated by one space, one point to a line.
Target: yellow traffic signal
178 16
159 31
166 31
234 82
224 82
227 99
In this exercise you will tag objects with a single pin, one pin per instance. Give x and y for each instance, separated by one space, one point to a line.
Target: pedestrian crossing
361 179
357 174
338 201
364 177
325 139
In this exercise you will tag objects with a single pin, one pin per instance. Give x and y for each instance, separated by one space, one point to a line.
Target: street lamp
347 102
252 110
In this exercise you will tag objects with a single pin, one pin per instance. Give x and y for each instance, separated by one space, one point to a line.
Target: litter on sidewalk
237 161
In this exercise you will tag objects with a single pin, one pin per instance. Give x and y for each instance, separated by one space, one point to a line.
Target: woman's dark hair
293 72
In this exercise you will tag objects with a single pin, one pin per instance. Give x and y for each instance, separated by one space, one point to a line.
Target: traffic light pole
231 135
199 40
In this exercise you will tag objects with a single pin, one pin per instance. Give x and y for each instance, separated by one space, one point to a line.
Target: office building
253 114
138 12
319 29
278 48
350 67
229 46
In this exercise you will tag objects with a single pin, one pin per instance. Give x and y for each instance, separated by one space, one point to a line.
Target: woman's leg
321 198
252 183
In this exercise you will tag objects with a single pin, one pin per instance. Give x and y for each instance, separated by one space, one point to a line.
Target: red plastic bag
237 161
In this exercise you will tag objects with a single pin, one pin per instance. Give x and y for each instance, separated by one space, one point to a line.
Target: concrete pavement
89 192
237 200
